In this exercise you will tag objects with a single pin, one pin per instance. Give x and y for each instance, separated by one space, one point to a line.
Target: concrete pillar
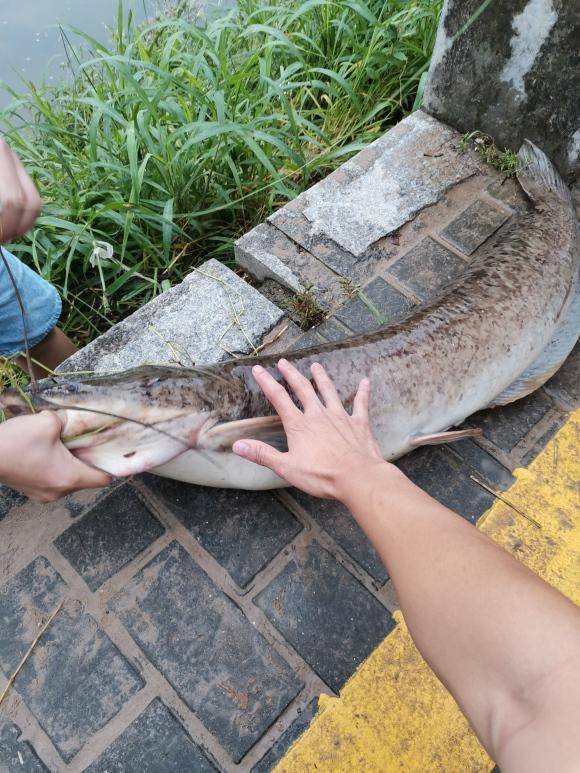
513 73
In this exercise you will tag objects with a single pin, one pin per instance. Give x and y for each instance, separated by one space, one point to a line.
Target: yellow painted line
393 714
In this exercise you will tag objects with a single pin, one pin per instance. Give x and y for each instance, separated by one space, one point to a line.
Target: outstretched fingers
360 407
326 388
275 393
258 452
298 383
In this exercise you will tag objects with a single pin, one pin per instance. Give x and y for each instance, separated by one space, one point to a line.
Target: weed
307 309
348 287
505 161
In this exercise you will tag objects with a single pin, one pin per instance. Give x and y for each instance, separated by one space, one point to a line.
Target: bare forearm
476 614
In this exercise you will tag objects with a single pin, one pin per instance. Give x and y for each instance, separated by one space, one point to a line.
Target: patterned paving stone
268 762
446 478
110 535
339 523
482 464
558 421
427 267
474 226
9 499
243 530
391 303
155 743
330 330
16 756
357 316
76 680
507 425
327 615
201 642
311 338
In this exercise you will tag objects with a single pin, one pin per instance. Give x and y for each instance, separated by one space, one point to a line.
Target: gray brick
326 614
269 761
311 338
446 477
13 750
391 303
200 641
76 680
507 425
426 268
9 499
243 530
111 534
482 464
154 743
474 226
330 330
339 523
565 385
558 420
357 316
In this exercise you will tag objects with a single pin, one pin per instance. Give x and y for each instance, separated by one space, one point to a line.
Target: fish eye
72 388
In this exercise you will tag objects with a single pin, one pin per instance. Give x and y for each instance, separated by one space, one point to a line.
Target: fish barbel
494 335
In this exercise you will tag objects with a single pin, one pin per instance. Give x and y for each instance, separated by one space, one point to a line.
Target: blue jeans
41 301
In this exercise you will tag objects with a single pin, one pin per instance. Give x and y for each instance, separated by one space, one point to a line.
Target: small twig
506 502
22 663
272 340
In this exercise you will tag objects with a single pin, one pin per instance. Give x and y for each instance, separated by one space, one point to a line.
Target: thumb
258 452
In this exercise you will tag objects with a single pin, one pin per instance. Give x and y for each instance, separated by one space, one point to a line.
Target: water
30 40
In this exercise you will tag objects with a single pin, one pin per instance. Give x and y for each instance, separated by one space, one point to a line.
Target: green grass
174 138
505 161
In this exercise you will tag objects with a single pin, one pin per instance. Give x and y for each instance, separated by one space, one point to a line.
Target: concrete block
212 314
377 191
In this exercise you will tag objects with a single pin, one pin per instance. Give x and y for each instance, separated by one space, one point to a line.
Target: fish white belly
219 469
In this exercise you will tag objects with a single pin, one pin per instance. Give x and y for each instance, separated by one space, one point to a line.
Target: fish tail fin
538 176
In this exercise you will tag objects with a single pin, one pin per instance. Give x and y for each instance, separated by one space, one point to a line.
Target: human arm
505 643
33 459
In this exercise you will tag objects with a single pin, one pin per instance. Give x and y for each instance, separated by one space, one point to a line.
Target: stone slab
511 72
243 530
390 303
108 536
212 314
339 523
426 268
505 427
325 613
222 668
331 330
268 762
16 756
447 478
9 498
474 226
379 190
483 465
76 680
155 742
265 252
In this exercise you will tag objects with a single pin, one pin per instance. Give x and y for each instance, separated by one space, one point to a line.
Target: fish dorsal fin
221 437
548 362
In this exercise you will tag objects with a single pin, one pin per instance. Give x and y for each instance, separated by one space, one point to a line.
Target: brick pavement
199 626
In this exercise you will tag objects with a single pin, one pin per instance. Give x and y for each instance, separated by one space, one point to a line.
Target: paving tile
308 339
111 534
391 303
9 499
566 383
426 268
16 756
339 523
482 464
474 226
156 742
558 421
330 330
507 425
325 613
76 680
268 762
199 639
446 478
243 530
357 316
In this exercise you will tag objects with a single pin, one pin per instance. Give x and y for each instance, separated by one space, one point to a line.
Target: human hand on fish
19 199
326 445
33 459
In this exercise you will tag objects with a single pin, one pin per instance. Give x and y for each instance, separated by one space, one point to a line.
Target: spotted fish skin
445 361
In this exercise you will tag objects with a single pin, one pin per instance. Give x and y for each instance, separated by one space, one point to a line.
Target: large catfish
496 334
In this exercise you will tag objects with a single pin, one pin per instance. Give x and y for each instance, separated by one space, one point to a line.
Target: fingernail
316 365
257 369
282 362
240 448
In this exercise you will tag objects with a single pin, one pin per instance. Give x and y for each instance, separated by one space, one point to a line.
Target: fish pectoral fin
444 437
221 437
